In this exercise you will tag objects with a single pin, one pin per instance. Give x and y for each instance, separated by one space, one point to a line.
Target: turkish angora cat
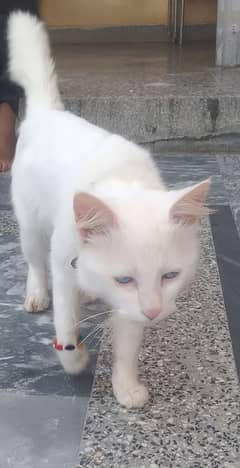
98 202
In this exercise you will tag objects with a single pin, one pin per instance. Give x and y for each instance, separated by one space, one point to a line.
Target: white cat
97 203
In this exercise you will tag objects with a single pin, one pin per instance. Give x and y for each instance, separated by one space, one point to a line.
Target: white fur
30 63
59 155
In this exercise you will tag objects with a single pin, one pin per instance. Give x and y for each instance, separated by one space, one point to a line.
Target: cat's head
139 248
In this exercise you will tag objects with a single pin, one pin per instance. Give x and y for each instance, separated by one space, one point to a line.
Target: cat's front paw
37 301
131 396
74 361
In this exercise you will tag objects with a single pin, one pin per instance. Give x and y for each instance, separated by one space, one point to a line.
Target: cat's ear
92 216
189 207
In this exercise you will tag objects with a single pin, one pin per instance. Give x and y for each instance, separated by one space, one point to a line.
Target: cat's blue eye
124 279
170 275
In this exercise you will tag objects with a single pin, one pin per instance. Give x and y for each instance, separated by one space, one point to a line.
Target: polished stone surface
150 92
142 69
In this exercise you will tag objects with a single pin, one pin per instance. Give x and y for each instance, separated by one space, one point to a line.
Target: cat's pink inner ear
189 208
92 215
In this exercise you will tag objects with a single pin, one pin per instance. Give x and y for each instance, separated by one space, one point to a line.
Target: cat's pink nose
151 313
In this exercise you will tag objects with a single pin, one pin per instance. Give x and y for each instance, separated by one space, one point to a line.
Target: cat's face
141 263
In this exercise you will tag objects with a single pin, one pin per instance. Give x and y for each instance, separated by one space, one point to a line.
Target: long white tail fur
30 62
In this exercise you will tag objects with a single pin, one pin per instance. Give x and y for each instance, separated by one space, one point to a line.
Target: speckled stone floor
191 361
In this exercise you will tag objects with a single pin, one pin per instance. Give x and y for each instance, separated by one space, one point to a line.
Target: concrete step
151 92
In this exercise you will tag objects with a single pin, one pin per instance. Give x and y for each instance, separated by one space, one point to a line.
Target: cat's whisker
89 317
97 337
92 332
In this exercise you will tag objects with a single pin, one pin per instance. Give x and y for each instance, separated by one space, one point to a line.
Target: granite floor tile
192 419
5 198
8 223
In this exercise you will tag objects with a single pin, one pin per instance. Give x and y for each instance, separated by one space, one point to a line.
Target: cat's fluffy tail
30 61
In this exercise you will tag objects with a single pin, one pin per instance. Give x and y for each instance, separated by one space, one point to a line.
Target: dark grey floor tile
42 408
184 168
39 432
12 269
28 362
230 170
236 213
180 171
229 164
218 194
227 245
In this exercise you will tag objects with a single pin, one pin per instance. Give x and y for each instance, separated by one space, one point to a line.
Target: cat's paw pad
37 301
134 396
74 361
